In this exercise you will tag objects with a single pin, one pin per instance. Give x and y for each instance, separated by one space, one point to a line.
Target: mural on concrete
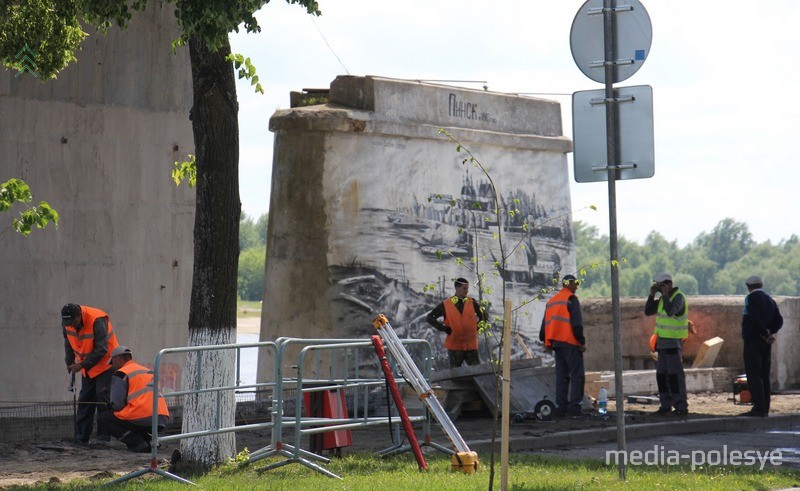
433 241
367 188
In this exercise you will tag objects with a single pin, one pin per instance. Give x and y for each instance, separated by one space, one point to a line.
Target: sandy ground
60 461
248 325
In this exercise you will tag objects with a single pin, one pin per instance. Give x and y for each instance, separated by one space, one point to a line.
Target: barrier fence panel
351 352
194 389
342 359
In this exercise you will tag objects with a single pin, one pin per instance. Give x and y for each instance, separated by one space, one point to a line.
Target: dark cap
69 313
568 278
753 280
120 350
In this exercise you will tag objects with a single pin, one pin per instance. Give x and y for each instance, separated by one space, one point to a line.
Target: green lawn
248 309
368 473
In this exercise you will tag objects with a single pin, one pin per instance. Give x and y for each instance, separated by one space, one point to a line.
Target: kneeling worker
132 403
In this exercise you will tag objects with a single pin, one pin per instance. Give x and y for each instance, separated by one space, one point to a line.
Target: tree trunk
212 312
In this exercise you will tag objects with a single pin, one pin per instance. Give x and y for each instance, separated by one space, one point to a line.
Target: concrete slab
643 382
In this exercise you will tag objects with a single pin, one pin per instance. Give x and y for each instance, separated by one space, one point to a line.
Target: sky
724 75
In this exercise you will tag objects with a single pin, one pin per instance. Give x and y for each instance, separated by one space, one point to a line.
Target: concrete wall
361 201
713 316
98 144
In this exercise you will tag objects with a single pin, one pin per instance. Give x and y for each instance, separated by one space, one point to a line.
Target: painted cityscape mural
399 253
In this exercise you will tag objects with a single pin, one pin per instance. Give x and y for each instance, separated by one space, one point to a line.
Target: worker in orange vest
88 341
562 330
462 315
132 403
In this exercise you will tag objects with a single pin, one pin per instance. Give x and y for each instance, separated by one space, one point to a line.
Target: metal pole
609 31
74 405
506 430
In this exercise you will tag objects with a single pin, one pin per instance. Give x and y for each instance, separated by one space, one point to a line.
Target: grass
248 309
526 472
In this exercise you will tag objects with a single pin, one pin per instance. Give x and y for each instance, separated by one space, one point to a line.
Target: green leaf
182 170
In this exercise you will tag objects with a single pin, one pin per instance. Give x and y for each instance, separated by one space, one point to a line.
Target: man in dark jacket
761 319
132 403
89 340
562 330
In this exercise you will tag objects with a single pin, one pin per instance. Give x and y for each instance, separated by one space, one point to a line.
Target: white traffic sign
635 119
633 35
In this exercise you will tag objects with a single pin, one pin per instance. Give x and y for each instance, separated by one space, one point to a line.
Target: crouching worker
132 403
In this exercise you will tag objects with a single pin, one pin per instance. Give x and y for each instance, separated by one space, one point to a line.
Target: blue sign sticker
639 55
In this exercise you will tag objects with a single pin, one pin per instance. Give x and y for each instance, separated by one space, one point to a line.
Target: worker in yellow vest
562 331
132 403
671 328
89 339
462 316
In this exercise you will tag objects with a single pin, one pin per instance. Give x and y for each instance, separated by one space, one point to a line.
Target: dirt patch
58 461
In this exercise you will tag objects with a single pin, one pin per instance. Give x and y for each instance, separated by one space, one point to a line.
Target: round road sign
634 33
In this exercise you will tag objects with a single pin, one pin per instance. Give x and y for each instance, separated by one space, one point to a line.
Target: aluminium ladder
421 386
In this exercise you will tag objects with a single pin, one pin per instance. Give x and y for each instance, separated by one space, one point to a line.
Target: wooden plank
643 400
708 352
593 376
592 389
521 342
469 371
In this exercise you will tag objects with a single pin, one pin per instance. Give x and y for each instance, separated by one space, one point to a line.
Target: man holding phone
672 327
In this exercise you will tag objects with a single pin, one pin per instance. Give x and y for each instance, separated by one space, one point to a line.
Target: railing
341 358
156 439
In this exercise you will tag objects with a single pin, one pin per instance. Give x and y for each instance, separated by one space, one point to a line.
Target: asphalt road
758 448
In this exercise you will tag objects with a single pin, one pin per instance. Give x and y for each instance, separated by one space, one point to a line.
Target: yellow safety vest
672 327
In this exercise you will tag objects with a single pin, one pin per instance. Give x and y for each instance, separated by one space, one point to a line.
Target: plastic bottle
602 401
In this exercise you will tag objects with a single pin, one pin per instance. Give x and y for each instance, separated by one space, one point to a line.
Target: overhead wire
329 45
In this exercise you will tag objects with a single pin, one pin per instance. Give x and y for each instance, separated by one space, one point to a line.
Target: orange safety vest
463 324
140 394
83 342
557 326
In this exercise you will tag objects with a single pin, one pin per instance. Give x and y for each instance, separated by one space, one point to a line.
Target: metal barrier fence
341 358
197 389
360 384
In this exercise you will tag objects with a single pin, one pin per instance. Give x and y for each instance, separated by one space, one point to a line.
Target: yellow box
466 462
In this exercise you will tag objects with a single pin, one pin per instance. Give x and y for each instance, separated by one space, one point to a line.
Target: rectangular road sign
636 142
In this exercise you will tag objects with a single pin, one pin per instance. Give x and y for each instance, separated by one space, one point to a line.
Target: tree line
252 256
714 263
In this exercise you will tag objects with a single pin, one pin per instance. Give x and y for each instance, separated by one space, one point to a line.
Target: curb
643 430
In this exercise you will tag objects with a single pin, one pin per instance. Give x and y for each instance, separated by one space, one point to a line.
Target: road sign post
627 33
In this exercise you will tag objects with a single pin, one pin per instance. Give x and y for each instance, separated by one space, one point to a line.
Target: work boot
135 442
662 411
143 447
